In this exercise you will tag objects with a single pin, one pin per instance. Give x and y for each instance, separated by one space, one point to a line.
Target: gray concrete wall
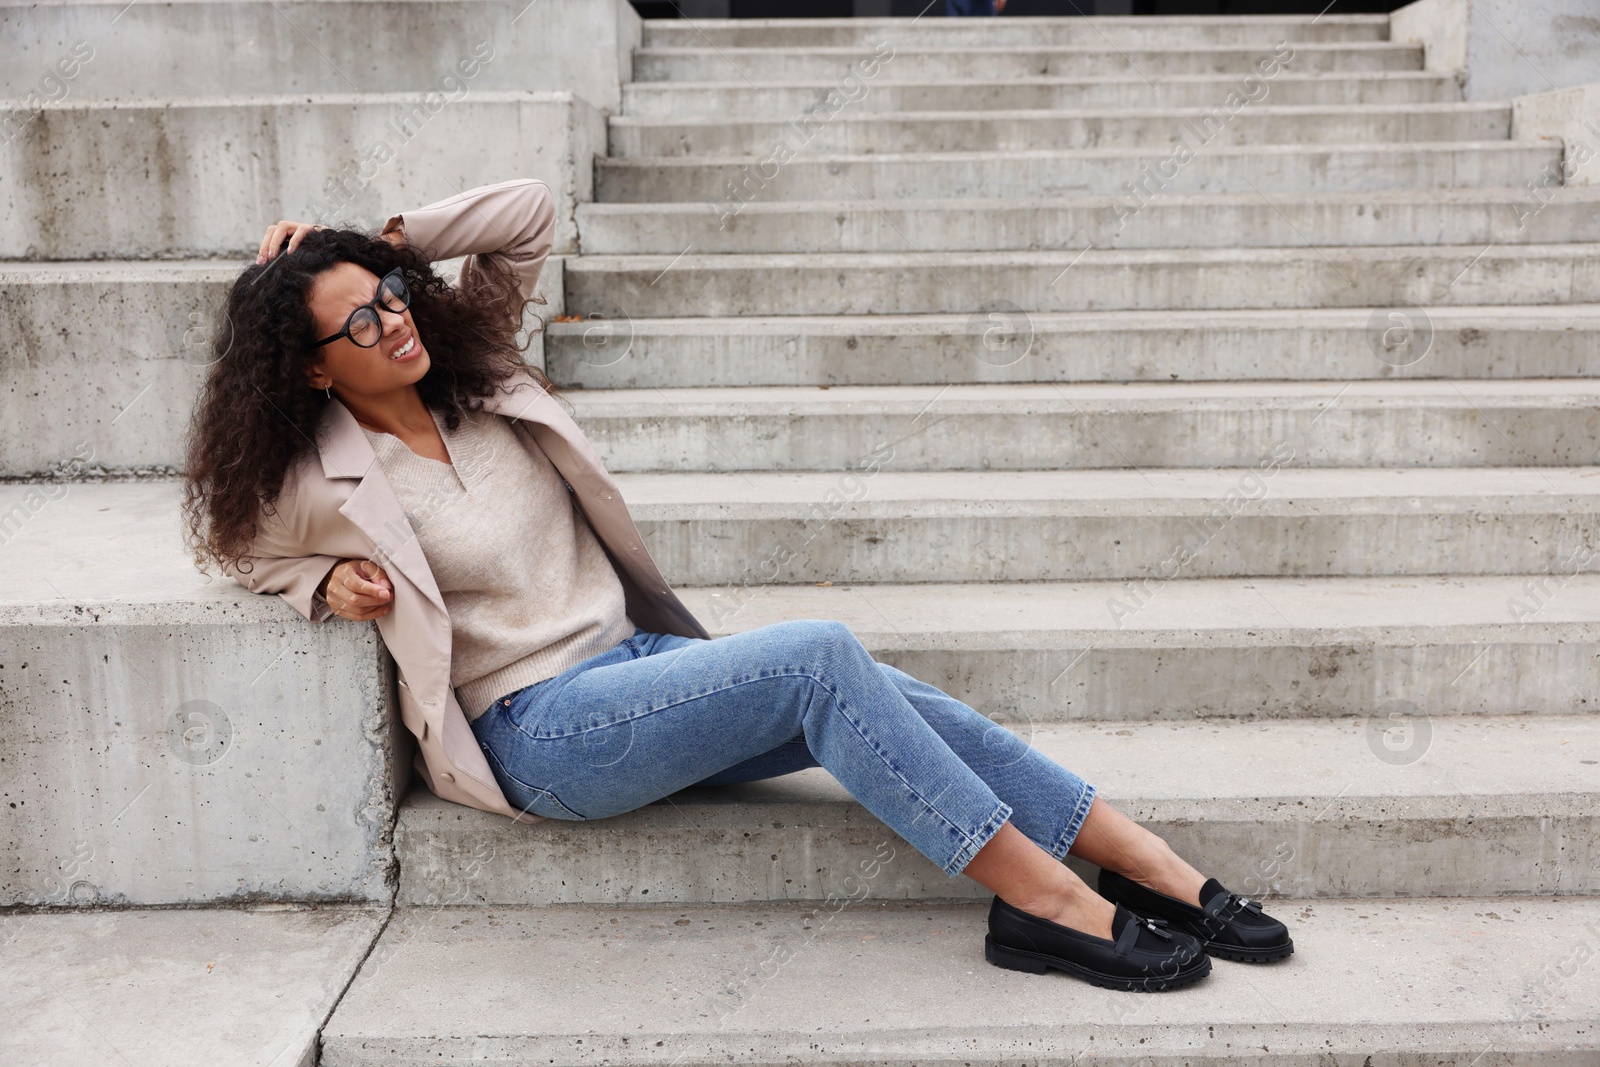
94 49
173 740
179 176
1506 47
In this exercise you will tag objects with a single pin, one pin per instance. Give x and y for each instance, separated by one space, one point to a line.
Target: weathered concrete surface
1076 427
1198 648
1309 344
692 61
1413 805
1098 31
151 328
303 46
903 283
872 981
1502 47
846 132
882 525
1412 217
177 177
177 988
170 740
721 95
1272 169
1571 116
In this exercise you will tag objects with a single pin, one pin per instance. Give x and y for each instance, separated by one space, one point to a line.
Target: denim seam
1075 823
975 844
498 762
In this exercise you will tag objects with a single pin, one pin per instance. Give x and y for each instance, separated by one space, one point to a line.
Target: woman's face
396 361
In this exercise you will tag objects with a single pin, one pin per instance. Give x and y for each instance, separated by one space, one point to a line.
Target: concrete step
1202 648
133 693
873 980
725 184
246 985
870 524
1414 806
1012 346
1553 422
788 99
1168 32
163 177
695 62
843 130
1080 279
451 47
1388 217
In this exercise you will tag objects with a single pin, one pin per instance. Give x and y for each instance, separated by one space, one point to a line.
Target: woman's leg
660 713
1039 790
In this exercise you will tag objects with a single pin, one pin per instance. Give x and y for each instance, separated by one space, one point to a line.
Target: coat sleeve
275 567
512 221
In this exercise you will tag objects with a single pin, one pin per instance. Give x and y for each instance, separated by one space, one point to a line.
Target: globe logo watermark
1001 333
607 336
1399 732
1400 336
199 733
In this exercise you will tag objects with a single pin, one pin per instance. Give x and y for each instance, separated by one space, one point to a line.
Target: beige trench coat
336 504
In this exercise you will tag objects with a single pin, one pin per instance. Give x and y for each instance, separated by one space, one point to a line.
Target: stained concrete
178 987
871 981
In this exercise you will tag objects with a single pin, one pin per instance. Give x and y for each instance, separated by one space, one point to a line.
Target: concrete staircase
973 367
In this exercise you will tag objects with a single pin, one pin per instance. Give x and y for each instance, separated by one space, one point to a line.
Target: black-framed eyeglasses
363 326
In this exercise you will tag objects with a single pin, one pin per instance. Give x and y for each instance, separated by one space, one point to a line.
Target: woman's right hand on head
358 590
287 230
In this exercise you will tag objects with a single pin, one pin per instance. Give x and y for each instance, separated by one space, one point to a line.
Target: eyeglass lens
365 326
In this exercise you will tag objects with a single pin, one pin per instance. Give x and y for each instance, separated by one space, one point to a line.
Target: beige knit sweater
529 590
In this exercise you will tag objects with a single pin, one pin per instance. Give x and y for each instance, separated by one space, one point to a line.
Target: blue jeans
658 713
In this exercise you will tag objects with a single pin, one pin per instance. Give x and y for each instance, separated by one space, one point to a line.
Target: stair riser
645 100
704 64
736 545
1161 223
146 181
1255 31
814 352
691 851
1289 170
1320 278
1083 434
848 132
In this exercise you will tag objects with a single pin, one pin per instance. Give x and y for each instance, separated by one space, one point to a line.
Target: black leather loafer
1143 954
1228 925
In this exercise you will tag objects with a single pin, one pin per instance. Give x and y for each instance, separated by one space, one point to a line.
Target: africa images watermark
1154 180
1251 487
342 188
851 89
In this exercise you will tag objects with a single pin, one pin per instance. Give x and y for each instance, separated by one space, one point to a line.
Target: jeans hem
985 832
1070 834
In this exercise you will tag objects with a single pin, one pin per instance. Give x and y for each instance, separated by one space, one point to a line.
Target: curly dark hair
257 413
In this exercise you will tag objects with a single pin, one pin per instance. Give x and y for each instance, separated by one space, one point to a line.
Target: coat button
447 776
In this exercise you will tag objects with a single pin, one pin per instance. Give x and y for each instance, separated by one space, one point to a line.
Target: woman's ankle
1080 909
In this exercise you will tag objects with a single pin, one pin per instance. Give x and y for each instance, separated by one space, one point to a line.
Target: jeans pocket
520 794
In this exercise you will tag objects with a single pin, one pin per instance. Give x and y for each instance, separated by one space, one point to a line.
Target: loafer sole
1018 959
1249 955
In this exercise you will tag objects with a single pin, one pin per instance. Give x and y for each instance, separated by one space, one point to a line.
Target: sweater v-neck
442 436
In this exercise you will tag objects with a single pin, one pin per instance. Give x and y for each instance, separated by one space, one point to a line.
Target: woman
369 444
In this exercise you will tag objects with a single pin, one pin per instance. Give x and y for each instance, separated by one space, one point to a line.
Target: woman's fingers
294 232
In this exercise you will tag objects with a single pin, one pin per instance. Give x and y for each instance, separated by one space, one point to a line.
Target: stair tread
731 401
650 985
1294 769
